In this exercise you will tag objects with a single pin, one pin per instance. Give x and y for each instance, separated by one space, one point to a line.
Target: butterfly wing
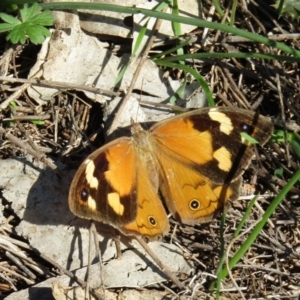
112 186
202 156
100 191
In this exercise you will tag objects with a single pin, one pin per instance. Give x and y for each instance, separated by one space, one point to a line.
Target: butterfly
193 161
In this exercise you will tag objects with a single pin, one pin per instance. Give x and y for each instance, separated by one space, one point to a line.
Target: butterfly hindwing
151 217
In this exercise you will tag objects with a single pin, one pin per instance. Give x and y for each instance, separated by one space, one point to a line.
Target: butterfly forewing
104 187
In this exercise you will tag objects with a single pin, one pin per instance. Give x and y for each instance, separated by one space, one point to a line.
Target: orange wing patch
188 194
180 139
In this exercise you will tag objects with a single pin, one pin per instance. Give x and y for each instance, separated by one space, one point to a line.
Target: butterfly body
195 160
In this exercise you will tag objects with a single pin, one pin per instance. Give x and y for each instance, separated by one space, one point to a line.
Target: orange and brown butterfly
195 160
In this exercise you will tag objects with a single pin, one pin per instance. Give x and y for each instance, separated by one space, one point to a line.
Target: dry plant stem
96 241
11 285
27 118
258 206
14 96
168 289
68 273
52 84
295 110
206 30
216 37
26 110
160 264
279 248
238 95
227 47
227 256
257 102
93 232
253 17
4 61
74 96
7 240
85 118
265 11
224 99
56 114
28 137
17 275
20 264
135 75
28 149
287 152
10 247
173 233
275 37
258 267
5 287
230 49
162 105
14 63
278 150
88 269
190 255
278 160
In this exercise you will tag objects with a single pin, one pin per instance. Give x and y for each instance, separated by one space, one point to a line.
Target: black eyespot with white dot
152 221
194 204
247 128
84 194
